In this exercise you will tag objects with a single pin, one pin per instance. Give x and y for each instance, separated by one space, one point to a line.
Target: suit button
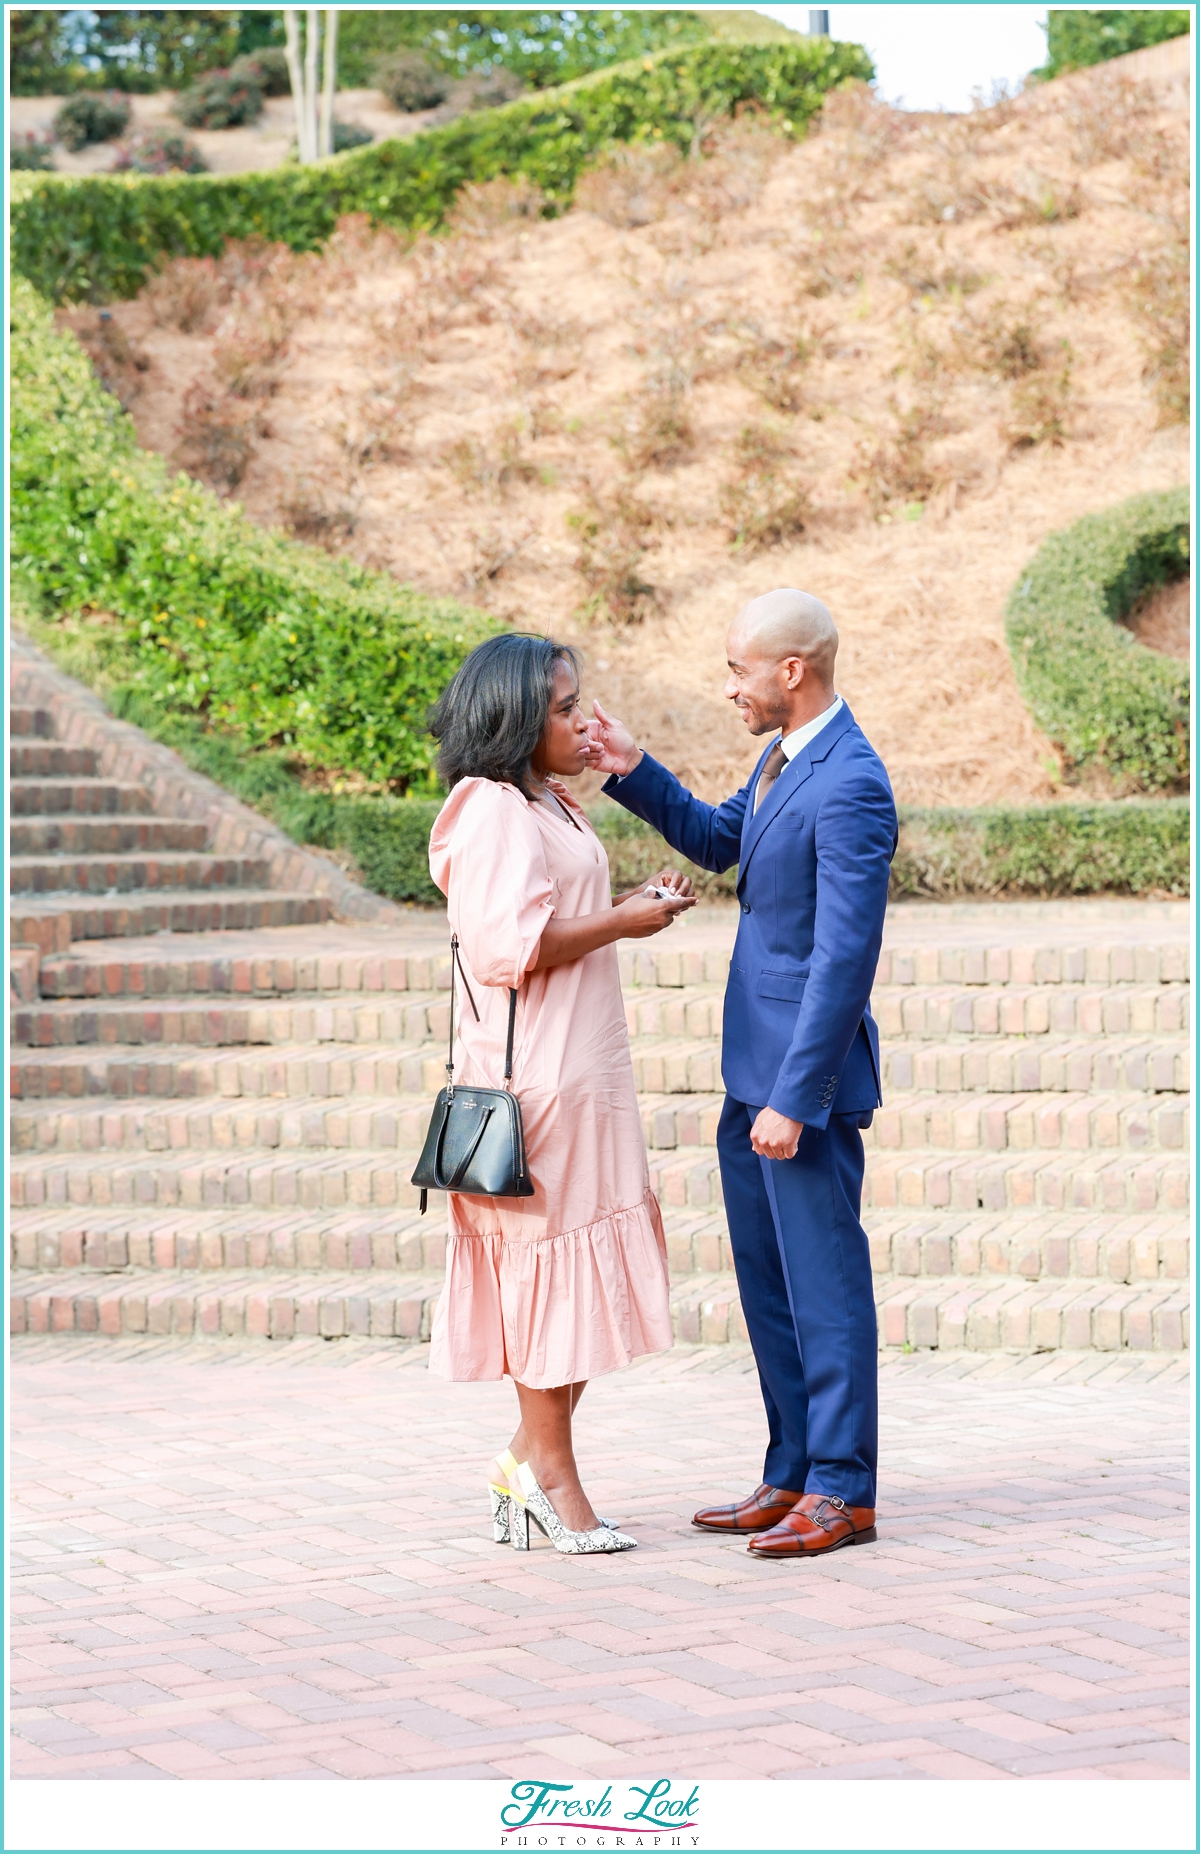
745 907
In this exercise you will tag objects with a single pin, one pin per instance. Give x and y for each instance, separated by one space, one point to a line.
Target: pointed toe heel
530 1502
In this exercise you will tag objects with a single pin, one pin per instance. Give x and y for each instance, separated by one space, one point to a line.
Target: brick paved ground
234 1561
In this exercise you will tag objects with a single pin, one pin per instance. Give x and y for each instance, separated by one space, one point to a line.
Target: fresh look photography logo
658 1814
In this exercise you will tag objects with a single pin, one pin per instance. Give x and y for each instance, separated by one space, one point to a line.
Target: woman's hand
611 747
679 885
643 915
631 917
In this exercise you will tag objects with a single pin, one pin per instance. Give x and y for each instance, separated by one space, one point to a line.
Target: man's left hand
774 1136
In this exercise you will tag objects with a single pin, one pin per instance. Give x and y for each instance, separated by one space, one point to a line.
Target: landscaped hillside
881 364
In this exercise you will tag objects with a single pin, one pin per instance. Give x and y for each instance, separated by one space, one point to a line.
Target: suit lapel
793 776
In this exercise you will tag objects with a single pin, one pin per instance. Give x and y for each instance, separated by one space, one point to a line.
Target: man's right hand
611 747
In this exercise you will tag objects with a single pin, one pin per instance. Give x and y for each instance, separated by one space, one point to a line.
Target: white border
408 1814
810 1814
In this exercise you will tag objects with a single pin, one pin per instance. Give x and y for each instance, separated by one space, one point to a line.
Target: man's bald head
788 623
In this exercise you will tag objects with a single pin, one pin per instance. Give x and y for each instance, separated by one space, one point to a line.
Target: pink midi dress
572 1282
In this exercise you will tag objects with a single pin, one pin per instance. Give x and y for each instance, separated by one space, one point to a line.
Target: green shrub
348 135
410 81
99 236
85 119
28 154
203 612
1075 39
1104 698
1133 848
266 69
1138 847
219 100
157 151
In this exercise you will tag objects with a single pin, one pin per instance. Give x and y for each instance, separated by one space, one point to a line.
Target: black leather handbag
476 1139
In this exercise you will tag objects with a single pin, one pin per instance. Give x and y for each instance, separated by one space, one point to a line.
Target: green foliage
98 237
1104 698
1139 847
202 612
90 118
410 80
35 63
261 31
266 68
64 50
1075 39
219 100
542 47
1134 848
347 135
158 151
28 154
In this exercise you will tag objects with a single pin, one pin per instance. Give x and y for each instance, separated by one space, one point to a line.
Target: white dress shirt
795 743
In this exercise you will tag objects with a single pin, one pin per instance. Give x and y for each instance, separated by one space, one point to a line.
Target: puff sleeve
487 856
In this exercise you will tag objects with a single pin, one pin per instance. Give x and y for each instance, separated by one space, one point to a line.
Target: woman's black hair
490 719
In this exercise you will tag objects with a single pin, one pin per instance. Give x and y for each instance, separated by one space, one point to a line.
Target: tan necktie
774 764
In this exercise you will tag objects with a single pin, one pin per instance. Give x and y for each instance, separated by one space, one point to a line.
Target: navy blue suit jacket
813 874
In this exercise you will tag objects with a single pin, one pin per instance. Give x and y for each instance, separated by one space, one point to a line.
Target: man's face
758 686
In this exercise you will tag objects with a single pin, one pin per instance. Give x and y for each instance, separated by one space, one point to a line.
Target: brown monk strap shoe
761 1510
817 1523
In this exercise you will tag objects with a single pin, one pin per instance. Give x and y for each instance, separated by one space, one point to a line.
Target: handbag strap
456 967
512 1019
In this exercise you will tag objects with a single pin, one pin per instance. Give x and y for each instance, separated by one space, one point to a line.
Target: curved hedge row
97 237
1097 692
209 613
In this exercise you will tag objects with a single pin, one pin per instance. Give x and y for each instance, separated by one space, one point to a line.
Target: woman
563 1286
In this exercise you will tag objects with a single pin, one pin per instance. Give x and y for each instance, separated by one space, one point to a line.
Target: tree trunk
291 29
331 27
312 47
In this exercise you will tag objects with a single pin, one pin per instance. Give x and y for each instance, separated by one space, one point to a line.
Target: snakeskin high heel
501 1500
528 1501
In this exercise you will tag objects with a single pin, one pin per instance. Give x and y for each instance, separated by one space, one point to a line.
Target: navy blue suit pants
804 1276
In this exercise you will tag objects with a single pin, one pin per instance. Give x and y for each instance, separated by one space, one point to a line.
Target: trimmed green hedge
1138 847
1104 698
99 236
209 614
1134 847
1089 36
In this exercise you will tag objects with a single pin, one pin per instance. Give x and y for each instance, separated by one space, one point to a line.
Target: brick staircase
219 1092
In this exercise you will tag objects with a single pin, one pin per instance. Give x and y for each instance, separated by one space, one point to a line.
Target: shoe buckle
834 1500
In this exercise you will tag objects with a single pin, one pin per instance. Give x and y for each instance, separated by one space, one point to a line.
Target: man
813 832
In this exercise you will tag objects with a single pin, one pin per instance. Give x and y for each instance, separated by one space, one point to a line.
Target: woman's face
563 748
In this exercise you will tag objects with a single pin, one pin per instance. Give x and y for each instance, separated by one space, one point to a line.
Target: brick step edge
1060 1248
983 1316
348 1178
66 918
1099 955
1004 1126
125 753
